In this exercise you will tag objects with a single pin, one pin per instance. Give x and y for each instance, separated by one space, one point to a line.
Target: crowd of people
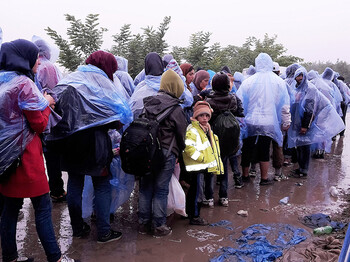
77 121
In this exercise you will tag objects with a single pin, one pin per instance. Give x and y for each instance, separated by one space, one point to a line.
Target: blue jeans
153 194
43 222
303 154
102 189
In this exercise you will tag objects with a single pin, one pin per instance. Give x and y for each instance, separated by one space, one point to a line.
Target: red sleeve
38 119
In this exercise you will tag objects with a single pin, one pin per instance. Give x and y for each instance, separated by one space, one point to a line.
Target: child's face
203 119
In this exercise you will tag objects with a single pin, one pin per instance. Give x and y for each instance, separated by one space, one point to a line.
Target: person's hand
285 128
116 151
303 130
50 100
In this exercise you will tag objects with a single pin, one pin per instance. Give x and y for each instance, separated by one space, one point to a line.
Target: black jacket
221 102
174 125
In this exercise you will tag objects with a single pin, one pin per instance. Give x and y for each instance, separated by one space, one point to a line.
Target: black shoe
198 221
245 178
111 236
145 229
111 218
238 182
299 175
265 182
84 233
60 198
162 231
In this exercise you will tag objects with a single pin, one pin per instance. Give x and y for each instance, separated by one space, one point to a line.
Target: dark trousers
43 222
303 154
192 205
53 166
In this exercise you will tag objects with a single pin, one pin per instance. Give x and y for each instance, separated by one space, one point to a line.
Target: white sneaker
223 201
67 259
208 202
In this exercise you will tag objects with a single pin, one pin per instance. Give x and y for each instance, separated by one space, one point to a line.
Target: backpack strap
160 118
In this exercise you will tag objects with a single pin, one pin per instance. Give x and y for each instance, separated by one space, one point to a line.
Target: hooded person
155 187
250 71
345 92
24 116
327 76
46 79
314 120
154 68
99 106
264 97
188 72
222 100
238 79
228 72
123 75
186 97
200 82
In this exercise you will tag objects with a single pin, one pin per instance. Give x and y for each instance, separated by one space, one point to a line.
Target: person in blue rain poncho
327 76
154 69
264 96
250 71
328 92
345 92
238 79
90 105
186 97
314 120
123 75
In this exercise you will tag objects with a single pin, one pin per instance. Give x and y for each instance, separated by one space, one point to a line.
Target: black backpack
227 128
140 148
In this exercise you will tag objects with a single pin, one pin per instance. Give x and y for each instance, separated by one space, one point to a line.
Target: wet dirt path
194 243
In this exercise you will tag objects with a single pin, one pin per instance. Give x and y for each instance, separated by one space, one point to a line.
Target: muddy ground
194 243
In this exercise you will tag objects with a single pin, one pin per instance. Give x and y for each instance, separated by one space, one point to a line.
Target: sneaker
265 182
68 259
238 181
145 229
198 221
25 259
162 231
246 178
280 177
287 162
252 172
84 233
208 202
110 236
223 201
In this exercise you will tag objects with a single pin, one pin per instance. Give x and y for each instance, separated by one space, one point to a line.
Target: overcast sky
313 30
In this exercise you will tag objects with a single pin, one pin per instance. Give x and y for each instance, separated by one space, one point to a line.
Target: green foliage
340 66
84 39
136 47
214 57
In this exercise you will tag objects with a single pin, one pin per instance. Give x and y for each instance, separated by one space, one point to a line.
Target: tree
136 47
196 51
84 39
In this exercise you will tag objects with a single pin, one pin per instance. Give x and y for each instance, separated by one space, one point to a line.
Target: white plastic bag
176 198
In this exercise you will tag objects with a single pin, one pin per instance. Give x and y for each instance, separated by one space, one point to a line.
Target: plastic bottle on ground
323 230
333 191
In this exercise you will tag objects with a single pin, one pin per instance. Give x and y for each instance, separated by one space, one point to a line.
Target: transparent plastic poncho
327 76
325 124
88 98
263 95
322 86
17 93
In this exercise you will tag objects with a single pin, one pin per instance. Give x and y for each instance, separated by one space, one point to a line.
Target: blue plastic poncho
140 77
238 79
88 98
326 122
343 88
327 76
17 93
123 76
321 85
250 71
263 96
154 69
186 96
